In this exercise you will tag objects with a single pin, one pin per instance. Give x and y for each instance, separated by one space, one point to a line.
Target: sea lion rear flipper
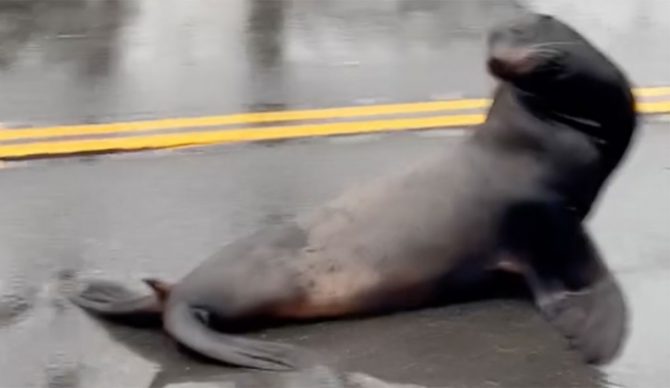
571 284
112 300
184 325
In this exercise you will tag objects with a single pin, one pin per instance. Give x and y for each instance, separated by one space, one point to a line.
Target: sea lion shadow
492 324
173 363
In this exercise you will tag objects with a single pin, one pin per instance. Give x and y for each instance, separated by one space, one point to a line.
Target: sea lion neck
521 112
511 123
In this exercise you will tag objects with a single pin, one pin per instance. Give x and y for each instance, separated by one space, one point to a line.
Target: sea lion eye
517 30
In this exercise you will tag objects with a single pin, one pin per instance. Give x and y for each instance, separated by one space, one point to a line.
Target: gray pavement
160 213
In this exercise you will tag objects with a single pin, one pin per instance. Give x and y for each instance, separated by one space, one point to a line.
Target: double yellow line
180 132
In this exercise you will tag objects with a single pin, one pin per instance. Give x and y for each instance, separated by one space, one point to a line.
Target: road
160 213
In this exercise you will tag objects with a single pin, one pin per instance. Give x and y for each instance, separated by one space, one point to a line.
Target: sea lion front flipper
571 284
594 319
186 326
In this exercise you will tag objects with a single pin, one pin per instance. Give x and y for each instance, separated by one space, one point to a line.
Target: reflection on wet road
124 216
77 61
80 61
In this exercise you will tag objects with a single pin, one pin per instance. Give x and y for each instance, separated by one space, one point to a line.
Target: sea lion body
511 197
400 236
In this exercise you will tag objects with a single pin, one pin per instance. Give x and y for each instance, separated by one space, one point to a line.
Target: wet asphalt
161 213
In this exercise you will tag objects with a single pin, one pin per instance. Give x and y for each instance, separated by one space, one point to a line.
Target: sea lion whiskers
553 44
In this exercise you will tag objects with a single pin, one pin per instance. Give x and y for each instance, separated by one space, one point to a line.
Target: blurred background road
70 62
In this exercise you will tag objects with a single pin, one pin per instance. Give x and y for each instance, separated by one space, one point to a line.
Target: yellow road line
652 92
653 107
229 136
220 135
246 118
158 141
276 117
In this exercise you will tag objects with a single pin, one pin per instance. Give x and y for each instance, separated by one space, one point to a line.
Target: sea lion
511 197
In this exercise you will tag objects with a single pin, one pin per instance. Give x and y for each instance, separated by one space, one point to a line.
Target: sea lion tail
183 324
160 288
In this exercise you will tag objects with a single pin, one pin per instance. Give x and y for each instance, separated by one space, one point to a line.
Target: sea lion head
560 76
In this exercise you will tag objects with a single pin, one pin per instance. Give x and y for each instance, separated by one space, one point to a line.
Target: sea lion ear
509 63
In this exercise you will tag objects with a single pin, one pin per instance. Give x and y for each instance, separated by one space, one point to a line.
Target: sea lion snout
527 45
510 62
